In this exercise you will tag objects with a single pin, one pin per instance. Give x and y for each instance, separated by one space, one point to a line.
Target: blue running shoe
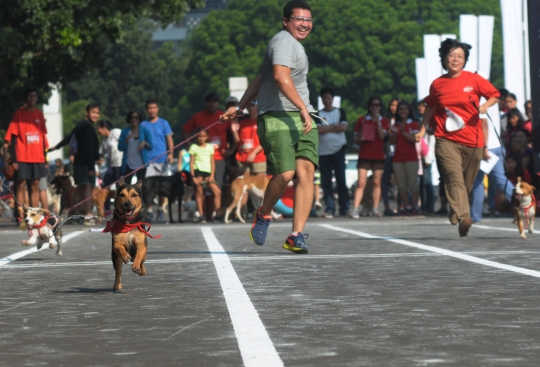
296 243
259 229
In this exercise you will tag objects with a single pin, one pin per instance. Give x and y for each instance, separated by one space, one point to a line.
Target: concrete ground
372 292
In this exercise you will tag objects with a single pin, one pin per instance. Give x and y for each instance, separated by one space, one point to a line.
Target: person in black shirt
84 145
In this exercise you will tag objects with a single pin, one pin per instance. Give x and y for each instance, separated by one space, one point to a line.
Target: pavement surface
372 292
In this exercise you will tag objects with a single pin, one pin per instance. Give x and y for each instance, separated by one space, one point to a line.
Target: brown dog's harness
118 225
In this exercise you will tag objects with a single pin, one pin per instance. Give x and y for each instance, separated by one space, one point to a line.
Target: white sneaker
318 205
327 216
354 213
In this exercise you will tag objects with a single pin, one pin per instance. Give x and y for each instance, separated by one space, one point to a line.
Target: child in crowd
405 161
203 168
514 169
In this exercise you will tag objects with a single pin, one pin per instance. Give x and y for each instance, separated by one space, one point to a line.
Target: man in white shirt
109 147
497 177
332 145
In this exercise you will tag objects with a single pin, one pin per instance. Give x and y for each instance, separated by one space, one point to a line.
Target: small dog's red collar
43 223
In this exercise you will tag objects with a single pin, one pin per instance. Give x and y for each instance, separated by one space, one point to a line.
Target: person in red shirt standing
405 162
249 154
370 131
217 134
26 136
454 105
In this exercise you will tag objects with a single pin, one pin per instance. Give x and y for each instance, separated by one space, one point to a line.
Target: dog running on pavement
129 242
172 187
239 187
524 204
40 230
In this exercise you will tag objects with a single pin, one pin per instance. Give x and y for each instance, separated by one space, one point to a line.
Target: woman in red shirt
454 104
405 161
369 132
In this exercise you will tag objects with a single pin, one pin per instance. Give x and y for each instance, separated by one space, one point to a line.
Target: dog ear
46 212
122 181
519 179
139 183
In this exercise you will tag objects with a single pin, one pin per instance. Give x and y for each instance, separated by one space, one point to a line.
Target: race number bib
247 145
216 141
32 138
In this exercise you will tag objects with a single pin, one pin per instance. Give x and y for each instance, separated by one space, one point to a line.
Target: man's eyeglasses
302 19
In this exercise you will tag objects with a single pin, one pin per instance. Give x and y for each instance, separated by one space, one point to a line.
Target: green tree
131 73
51 41
361 48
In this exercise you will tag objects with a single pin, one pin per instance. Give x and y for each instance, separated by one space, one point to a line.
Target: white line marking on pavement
255 345
497 228
18 255
267 258
457 255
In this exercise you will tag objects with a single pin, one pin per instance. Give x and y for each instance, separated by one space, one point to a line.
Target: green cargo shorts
281 137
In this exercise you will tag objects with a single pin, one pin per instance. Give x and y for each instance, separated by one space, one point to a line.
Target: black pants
336 163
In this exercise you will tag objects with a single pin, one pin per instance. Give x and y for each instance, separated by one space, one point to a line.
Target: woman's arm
380 131
427 116
490 102
192 164
179 163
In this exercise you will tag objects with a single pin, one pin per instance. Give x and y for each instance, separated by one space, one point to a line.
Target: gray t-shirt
283 50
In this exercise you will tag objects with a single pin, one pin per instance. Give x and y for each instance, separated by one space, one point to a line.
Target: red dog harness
41 224
122 227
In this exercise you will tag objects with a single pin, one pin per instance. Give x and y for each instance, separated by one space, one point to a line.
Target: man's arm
282 77
249 95
170 144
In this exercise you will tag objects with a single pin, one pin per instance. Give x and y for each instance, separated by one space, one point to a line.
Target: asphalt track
372 292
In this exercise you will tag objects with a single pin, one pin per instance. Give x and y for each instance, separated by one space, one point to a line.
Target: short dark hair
294 4
373 99
327 90
106 124
503 92
211 97
91 106
128 116
519 171
29 90
511 95
450 44
409 107
150 101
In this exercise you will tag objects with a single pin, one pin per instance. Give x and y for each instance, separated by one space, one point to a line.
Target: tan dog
40 230
129 242
99 199
239 187
524 206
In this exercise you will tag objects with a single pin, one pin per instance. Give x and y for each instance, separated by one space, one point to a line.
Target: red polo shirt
28 127
248 140
405 150
456 95
373 150
217 134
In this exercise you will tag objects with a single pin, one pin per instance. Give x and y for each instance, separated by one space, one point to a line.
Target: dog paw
117 288
136 270
58 253
51 245
39 245
26 243
126 259
523 235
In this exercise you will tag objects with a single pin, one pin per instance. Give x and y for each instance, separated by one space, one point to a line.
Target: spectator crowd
391 163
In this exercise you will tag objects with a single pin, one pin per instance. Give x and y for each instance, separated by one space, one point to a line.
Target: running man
285 128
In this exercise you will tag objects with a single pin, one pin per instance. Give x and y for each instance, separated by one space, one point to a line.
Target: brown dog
239 187
129 241
524 206
99 199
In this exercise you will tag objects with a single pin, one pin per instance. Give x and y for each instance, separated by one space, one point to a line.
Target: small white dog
40 231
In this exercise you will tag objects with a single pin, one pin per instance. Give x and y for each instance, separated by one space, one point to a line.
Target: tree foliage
56 41
361 48
131 73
